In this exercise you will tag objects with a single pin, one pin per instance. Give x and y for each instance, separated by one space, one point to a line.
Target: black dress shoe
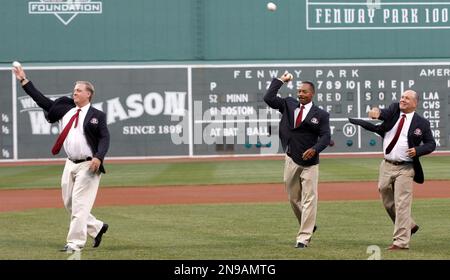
314 230
98 238
300 245
414 229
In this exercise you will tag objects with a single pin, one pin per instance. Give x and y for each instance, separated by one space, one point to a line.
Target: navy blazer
420 136
313 132
95 128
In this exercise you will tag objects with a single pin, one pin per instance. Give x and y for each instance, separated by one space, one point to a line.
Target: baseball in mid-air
16 64
271 6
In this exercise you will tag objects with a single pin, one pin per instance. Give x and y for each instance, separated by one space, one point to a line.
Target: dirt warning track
17 200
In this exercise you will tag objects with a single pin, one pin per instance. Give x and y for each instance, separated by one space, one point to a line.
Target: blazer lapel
88 117
291 119
389 124
412 128
310 113
413 124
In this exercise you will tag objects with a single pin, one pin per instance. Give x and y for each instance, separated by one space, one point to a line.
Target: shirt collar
408 115
307 106
85 108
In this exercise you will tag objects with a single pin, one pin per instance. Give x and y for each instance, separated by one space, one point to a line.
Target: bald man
406 137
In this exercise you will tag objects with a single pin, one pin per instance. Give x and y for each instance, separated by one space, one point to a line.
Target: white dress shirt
75 145
398 153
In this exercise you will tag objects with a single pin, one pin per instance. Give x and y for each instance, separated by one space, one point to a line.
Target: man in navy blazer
404 141
86 146
304 132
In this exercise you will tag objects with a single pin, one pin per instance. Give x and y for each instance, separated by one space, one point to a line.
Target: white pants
79 189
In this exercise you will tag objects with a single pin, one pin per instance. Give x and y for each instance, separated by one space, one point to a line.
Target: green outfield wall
177 30
187 77
201 110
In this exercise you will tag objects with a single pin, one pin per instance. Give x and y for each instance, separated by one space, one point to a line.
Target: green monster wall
212 30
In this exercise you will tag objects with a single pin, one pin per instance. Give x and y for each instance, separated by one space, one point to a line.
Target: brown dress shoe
395 247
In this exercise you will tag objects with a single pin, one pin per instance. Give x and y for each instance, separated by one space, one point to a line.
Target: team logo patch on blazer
94 121
314 120
418 132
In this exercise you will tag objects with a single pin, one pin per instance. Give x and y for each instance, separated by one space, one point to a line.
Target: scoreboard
198 110
235 114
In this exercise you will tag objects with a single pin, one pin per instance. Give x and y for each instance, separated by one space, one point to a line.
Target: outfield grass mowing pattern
224 231
211 173
229 231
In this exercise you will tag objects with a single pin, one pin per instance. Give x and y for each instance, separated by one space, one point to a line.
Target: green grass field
229 231
224 231
210 173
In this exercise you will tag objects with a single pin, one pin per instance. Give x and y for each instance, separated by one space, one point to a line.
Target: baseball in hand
16 64
289 75
271 6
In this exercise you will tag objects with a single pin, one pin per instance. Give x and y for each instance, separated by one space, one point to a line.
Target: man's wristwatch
21 81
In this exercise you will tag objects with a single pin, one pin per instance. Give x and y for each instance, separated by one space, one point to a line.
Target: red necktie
397 134
60 141
298 121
